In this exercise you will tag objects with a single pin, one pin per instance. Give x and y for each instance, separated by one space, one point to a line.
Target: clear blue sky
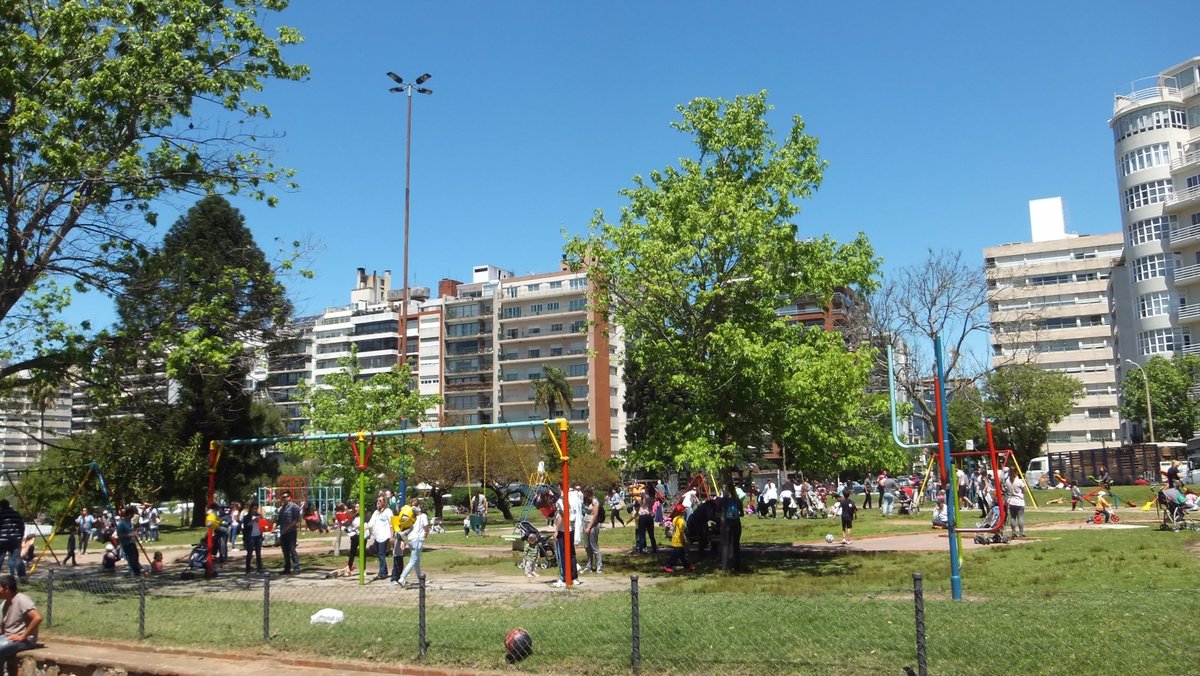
939 121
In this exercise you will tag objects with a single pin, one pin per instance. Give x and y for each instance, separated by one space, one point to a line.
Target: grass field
1073 598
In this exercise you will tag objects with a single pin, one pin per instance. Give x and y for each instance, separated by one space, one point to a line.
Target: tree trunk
199 505
436 496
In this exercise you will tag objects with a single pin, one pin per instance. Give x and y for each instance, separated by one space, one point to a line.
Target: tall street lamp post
407 88
1149 411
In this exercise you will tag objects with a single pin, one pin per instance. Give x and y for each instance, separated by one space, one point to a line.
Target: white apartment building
1049 304
1156 133
27 425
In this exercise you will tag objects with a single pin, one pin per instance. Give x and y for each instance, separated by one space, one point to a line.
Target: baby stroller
992 519
547 555
1172 507
814 507
906 501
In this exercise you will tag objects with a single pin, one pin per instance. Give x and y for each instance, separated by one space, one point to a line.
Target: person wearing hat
1103 506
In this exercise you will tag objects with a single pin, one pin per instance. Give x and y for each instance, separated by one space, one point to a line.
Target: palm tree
550 389
43 396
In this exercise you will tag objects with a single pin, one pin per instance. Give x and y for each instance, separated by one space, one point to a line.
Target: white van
1038 467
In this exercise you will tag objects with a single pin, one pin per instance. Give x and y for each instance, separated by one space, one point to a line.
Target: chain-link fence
632 626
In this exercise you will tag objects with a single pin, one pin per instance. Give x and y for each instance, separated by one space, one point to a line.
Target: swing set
91 470
362 445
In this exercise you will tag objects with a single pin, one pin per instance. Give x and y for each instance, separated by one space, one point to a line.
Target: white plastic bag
327 616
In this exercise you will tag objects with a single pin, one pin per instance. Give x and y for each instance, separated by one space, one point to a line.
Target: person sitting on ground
19 619
156 566
941 517
109 562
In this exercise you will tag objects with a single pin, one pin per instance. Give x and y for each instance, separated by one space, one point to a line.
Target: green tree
694 271
1175 409
100 115
348 403
965 413
551 389
1024 401
189 314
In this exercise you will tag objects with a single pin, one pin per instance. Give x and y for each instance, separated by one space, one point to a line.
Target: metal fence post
421 616
636 655
266 608
919 604
141 606
50 598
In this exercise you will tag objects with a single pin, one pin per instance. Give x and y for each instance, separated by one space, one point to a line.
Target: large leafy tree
1024 401
1175 409
105 107
694 271
347 402
195 317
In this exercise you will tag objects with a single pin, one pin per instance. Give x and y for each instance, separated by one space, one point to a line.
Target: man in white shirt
770 497
689 501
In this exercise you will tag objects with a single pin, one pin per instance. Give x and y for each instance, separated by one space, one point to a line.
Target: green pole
362 528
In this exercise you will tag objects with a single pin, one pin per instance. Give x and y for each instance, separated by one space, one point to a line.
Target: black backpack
601 514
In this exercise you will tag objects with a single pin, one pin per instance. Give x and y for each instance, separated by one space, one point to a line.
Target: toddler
529 562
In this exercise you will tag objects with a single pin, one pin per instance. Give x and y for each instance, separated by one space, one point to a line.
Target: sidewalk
74 655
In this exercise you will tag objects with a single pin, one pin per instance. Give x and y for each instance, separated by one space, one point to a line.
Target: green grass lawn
1071 599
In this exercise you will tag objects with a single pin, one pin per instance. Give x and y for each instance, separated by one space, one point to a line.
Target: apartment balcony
1186 161
1187 275
1183 199
1193 350
1186 235
1152 90
1189 314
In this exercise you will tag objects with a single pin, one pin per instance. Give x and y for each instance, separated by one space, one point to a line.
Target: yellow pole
1028 490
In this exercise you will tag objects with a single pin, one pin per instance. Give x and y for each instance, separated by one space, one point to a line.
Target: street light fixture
1149 411
407 87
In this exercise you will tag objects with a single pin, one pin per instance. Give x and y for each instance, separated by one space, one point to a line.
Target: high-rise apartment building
481 345
1156 130
1048 303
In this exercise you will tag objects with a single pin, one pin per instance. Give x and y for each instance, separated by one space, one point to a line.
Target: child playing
70 547
529 562
679 542
156 566
467 527
1076 496
849 510
1103 506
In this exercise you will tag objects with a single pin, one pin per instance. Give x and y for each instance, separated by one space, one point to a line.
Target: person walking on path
615 504
867 492
71 540
287 523
380 527
645 525
416 542
252 536
85 522
12 530
592 521
127 536
19 619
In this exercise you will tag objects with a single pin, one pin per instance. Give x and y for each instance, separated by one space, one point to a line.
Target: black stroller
992 519
547 554
1172 507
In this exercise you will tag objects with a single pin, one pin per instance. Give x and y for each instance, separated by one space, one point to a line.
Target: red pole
568 571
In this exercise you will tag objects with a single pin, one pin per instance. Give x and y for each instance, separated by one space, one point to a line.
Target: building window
1148 267
1159 341
580 414
1149 230
1193 117
579 391
577 304
1145 157
579 283
556 352
511 312
555 285
511 291
534 352
535 309
1151 192
575 370
554 328
552 307
1154 304
531 288
1149 119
